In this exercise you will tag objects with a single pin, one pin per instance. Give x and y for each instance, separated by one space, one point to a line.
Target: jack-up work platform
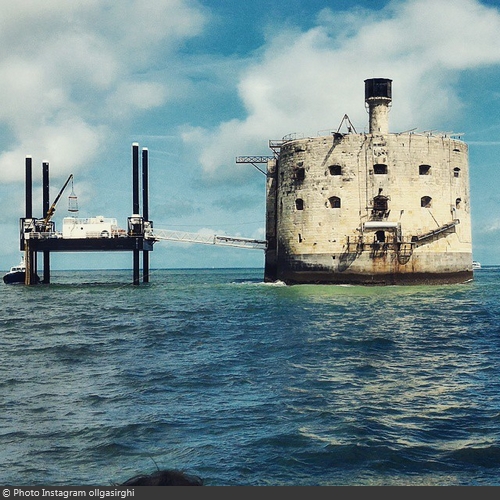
97 234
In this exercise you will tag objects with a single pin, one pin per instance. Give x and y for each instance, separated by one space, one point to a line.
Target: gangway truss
207 239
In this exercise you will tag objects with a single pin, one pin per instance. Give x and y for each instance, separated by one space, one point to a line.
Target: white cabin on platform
92 227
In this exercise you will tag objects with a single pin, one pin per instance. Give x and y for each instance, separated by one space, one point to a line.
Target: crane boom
52 209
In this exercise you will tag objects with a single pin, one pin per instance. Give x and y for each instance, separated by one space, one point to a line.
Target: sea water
241 382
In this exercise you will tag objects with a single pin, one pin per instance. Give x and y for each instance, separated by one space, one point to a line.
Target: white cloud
489 227
306 81
73 70
66 145
132 96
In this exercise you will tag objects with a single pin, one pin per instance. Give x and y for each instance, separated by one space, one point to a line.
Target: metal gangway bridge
207 239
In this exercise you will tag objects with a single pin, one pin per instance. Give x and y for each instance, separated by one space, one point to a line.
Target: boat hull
12 278
18 277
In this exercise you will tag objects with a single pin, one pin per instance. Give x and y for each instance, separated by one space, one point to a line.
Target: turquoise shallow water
246 383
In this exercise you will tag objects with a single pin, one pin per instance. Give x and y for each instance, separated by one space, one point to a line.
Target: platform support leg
145 266
46 267
136 267
30 263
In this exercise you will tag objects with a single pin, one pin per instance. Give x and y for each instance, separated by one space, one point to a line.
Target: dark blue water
245 383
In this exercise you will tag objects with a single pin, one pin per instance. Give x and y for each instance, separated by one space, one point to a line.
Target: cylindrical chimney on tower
378 97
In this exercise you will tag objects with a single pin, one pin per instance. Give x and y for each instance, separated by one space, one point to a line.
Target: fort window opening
299 204
425 202
334 202
380 168
457 202
380 236
380 203
299 173
424 169
335 169
456 171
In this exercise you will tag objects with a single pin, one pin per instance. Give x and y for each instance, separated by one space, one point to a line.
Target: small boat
476 264
17 274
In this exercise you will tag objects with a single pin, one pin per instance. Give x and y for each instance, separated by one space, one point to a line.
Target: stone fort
375 208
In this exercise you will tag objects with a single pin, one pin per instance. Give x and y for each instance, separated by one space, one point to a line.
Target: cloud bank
76 73
304 81
73 71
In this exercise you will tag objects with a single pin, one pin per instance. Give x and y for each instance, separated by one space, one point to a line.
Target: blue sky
199 82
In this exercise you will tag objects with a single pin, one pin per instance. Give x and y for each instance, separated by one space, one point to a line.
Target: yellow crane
52 209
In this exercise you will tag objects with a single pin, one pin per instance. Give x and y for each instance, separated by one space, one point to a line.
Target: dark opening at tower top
378 87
